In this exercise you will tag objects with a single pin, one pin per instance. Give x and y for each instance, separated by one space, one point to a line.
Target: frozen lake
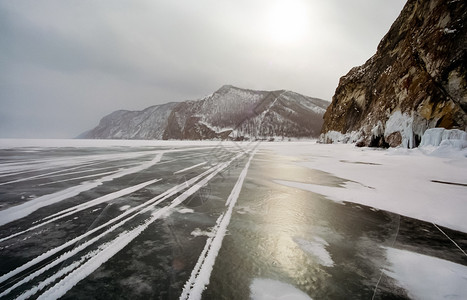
223 220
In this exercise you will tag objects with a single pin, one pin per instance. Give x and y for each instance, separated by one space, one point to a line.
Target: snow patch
198 232
317 249
124 207
449 31
185 211
427 277
268 289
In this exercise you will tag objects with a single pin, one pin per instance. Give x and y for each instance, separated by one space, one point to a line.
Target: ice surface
398 180
22 210
109 249
201 273
268 289
426 277
104 254
404 181
78 143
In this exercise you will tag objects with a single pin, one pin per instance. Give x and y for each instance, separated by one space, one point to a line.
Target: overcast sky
66 64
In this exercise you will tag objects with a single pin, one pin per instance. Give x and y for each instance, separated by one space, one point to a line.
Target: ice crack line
200 275
457 245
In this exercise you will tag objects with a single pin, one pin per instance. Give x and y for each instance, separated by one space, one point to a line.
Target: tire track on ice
140 209
201 273
190 168
113 247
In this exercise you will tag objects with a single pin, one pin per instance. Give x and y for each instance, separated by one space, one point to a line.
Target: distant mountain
229 113
416 80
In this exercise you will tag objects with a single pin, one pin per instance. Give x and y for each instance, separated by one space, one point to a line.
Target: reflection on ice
268 289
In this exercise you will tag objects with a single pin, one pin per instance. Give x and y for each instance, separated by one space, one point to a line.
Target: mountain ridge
228 113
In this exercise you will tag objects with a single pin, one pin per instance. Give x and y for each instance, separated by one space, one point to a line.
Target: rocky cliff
229 113
415 81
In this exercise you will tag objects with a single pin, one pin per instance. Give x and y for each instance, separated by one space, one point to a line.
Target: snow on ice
427 183
317 249
426 277
403 181
268 289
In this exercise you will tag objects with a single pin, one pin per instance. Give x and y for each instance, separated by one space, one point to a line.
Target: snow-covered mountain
142 125
230 112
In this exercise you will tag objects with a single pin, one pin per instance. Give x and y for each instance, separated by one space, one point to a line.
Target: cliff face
415 81
230 112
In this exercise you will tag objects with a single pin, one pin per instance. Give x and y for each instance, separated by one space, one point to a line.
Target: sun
288 21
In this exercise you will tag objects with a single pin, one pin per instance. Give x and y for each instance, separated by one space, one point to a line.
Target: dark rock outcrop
415 81
229 113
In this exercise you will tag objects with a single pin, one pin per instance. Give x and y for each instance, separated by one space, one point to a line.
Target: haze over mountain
230 112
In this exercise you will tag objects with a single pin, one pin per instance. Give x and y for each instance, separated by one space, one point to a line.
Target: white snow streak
107 251
68 163
200 275
20 211
113 247
86 205
77 178
149 205
189 168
